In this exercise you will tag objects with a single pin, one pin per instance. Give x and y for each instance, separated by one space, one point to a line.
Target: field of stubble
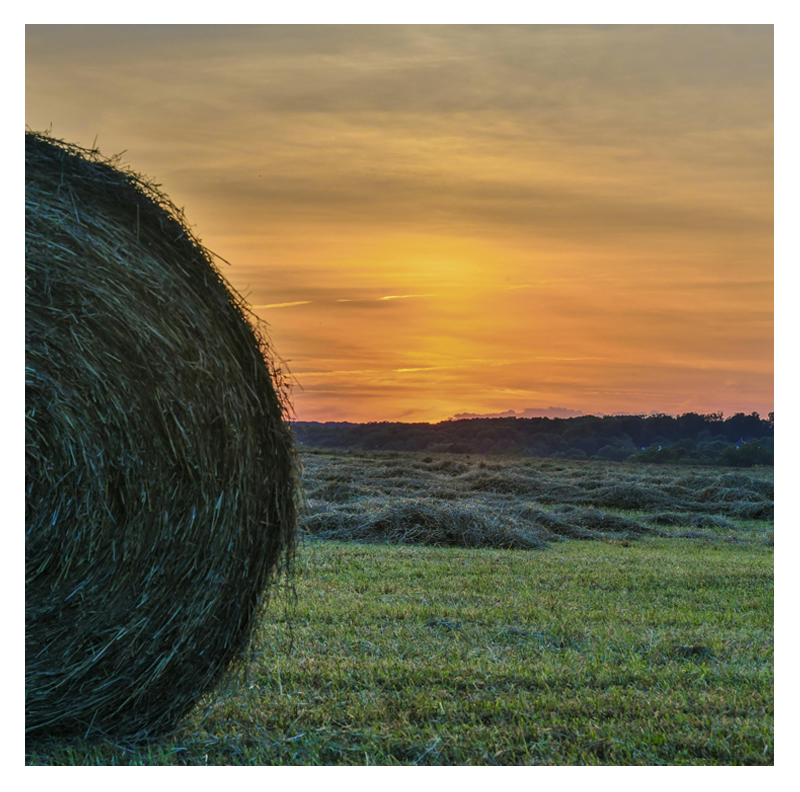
467 610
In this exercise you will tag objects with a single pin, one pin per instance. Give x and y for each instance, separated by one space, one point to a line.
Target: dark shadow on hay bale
160 470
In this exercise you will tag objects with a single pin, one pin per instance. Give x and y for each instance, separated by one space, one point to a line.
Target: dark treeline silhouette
740 440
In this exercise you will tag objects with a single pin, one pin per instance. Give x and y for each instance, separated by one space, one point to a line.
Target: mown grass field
611 614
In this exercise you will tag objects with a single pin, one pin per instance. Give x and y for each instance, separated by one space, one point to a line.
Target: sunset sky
438 221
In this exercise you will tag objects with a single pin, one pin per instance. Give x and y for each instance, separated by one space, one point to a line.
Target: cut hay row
421 521
469 523
160 471
414 498
598 485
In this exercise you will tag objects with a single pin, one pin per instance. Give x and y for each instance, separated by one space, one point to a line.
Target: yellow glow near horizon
440 220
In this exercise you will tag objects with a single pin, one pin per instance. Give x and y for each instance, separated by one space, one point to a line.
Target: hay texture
160 470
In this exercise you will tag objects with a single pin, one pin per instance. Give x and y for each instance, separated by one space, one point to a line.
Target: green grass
655 651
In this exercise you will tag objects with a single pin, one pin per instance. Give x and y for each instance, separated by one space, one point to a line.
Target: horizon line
496 417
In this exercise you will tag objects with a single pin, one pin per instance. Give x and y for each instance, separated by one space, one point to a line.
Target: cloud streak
283 304
404 296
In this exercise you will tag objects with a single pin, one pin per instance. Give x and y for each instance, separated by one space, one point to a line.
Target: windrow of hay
589 484
694 520
430 521
519 504
422 521
161 476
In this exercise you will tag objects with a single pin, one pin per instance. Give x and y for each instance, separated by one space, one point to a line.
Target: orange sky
440 220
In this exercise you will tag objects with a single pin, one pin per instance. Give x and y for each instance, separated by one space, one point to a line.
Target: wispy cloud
423 368
337 373
404 296
381 299
283 305
539 283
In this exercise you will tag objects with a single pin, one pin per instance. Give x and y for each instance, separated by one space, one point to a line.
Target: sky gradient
446 220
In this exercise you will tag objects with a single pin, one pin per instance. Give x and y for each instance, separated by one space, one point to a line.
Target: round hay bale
161 476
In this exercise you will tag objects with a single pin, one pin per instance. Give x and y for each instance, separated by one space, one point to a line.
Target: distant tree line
693 439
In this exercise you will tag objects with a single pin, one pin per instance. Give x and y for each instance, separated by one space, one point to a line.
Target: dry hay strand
624 496
608 523
571 522
556 526
755 511
504 483
161 477
451 467
421 521
668 519
336 492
